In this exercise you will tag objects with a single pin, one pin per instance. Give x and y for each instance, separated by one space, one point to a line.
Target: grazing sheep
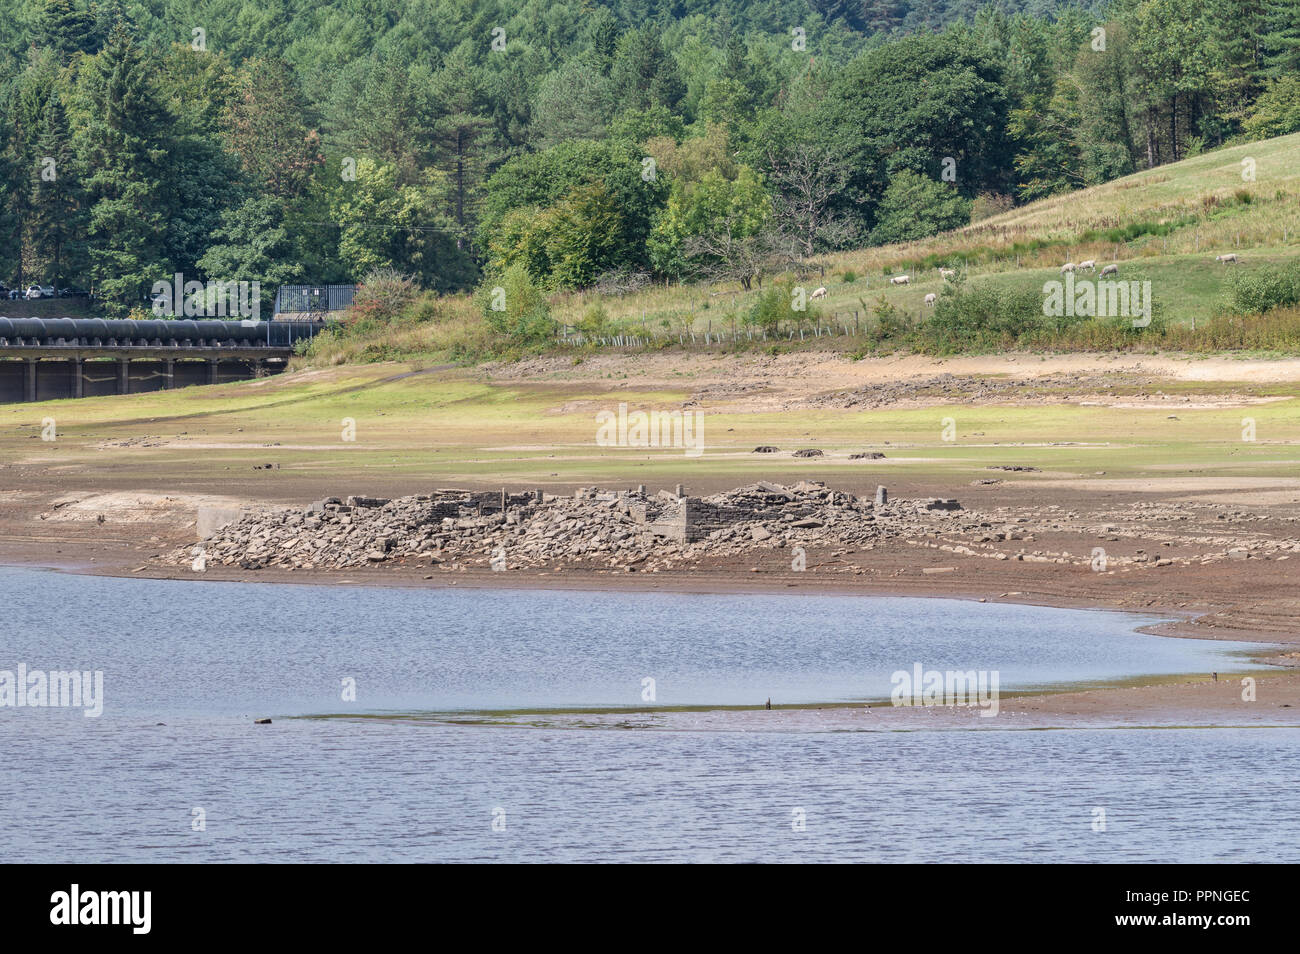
1068 267
1088 266
947 273
1229 259
931 298
819 293
1110 270
900 280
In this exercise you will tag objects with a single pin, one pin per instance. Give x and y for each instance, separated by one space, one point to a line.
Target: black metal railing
313 299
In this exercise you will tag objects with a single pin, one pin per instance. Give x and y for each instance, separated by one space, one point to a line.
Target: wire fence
837 324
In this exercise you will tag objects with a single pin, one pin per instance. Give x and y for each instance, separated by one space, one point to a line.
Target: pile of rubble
624 528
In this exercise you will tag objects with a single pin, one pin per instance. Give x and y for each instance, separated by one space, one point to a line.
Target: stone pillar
882 496
29 378
169 373
78 385
212 370
123 375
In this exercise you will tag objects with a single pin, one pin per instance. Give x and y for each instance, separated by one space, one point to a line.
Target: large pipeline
152 333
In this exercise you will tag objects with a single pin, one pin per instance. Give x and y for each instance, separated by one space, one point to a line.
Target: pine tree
643 73
124 155
465 143
10 245
271 128
56 210
23 107
1281 39
66 29
1238 74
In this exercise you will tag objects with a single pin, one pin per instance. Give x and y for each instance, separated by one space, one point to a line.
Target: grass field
451 425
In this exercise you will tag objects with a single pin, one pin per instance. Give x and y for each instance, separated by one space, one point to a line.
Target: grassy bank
1164 227
448 426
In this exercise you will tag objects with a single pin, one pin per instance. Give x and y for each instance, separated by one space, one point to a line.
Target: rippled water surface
204 658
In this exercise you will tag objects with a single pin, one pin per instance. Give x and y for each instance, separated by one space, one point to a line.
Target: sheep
900 280
1068 267
1229 259
819 293
1111 269
947 273
1088 266
931 298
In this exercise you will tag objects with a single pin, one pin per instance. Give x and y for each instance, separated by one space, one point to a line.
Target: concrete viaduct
44 359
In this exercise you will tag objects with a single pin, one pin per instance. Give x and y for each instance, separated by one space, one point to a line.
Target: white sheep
1068 267
946 273
1229 259
819 293
1110 270
931 298
900 280
1088 266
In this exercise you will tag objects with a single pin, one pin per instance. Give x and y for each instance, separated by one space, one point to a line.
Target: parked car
73 293
34 291
13 294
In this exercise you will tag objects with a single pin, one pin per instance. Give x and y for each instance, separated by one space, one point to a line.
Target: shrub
916 207
515 308
595 321
1262 289
989 204
382 296
979 317
891 322
776 305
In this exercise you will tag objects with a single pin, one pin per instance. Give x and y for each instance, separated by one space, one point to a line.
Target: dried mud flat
756 382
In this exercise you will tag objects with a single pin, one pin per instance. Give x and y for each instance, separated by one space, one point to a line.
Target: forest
562 145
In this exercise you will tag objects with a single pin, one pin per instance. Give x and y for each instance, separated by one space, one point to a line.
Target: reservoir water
174 769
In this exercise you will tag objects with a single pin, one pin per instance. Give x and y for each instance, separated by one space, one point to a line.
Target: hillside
1169 223
556 147
1164 226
